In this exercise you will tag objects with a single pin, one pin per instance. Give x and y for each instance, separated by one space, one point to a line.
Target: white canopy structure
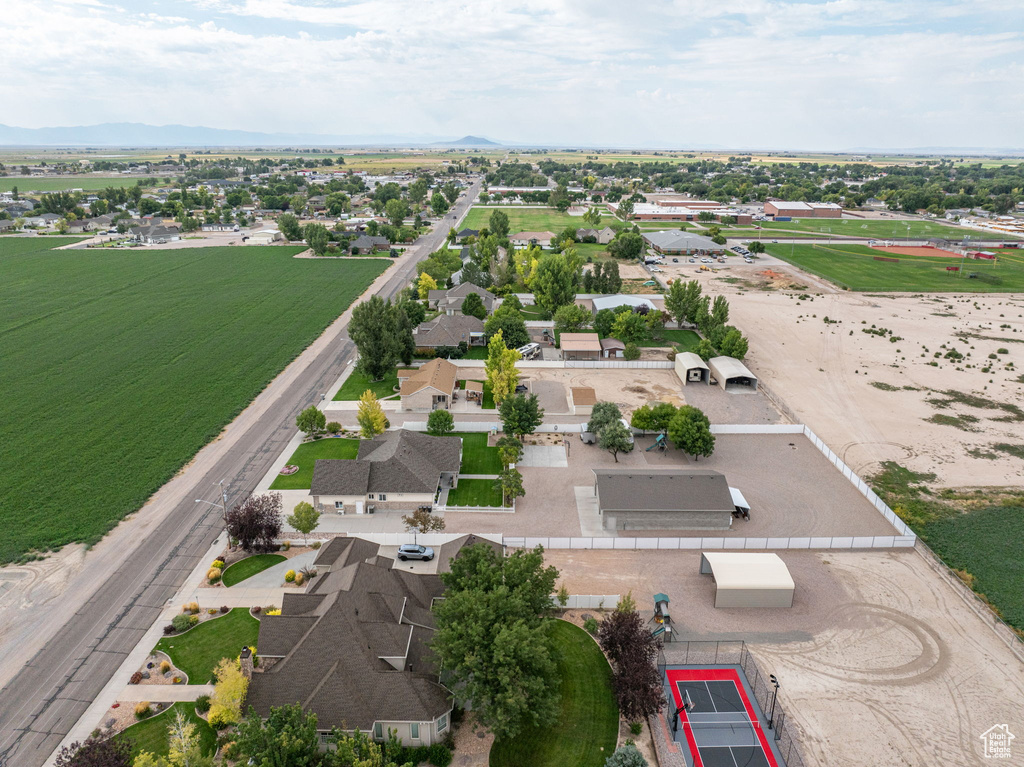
691 368
732 375
747 579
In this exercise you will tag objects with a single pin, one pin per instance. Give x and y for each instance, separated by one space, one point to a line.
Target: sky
776 74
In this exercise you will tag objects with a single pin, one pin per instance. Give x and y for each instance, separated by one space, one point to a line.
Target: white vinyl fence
589 602
661 544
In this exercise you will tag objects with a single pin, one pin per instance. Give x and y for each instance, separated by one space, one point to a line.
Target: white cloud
744 73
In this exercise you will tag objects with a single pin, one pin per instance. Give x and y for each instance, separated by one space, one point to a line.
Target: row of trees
686 304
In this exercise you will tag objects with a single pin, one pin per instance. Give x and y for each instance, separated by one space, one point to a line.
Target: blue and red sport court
717 719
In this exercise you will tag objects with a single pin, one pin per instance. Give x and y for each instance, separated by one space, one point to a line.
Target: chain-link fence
735 653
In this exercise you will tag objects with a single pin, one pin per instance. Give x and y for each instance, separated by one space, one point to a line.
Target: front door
359 507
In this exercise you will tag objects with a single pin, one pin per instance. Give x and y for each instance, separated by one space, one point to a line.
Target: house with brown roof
448 330
428 388
354 650
580 346
397 470
450 301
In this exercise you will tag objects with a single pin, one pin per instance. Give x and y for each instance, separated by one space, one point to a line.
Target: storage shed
747 579
581 400
732 375
692 369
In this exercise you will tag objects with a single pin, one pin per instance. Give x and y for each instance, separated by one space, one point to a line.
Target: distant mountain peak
468 141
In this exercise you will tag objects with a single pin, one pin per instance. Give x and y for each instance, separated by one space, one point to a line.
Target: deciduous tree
440 422
96 752
690 431
571 318
473 306
492 637
375 331
287 737
501 367
498 223
602 414
422 521
615 438
425 284
633 653
311 421
370 415
317 237
510 323
554 282
520 414
288 223
439 204
510 450
304 518
510 484
630 327
228 692
256 522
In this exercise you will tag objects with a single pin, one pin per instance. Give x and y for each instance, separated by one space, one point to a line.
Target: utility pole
223 505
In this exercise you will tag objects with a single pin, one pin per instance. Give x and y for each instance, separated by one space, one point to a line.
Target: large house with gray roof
397 470
450 301
448 330
354 649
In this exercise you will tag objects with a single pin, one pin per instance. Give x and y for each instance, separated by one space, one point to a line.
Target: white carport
747 579
691 368
732 375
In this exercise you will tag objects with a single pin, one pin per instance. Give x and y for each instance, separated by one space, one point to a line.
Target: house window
442 723
378 731
339 505
370 496
382 497
414 730
325 738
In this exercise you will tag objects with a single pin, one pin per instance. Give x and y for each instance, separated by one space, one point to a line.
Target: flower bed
289 469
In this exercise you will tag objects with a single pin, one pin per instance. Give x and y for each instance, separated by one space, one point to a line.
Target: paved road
41 704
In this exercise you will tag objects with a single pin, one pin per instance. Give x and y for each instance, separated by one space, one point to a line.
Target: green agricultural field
530 219
63 183
854 267
118 366
878 229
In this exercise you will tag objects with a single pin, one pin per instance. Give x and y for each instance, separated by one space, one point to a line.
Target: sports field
856 267
118 366
876 229
530 219
86 183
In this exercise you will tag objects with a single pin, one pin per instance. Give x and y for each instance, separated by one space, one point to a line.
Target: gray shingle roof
447 330
394 462
644 488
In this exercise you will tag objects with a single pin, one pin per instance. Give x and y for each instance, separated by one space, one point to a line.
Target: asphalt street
41 704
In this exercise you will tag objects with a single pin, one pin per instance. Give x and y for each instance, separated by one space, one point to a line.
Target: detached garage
732 375
748 579
692 369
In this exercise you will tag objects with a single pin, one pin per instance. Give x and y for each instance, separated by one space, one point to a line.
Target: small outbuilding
748 579
692 369
732 375
581 400
612 348
662 498
580 346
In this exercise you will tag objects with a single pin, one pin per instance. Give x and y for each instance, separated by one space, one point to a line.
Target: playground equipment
660 443
662 620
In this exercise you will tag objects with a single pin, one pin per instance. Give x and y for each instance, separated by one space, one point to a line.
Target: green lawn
477 457
876 228
587 727
152 734
86 183
358 382
305 457
475 492
156 350
854 267
531 219
248 567
198 651
534 313
684 340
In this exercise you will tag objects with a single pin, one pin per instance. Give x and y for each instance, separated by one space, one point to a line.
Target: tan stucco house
428 388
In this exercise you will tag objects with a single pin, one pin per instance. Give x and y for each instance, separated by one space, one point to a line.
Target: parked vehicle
675 260
529 351
415 551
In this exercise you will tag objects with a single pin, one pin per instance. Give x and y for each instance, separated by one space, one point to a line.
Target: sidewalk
163 693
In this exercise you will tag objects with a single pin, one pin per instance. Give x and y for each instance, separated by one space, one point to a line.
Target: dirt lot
829 374
880 663
792 489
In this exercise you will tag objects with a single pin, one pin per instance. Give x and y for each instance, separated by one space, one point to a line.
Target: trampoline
717 720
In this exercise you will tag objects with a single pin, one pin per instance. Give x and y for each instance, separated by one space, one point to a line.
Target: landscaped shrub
289 577
316 544
333 427
220 718
213 575
218 563
193 620
299 579
626 756
169 629
224 608
143 710
192 607
286 545
176 680
136 678
631 352
272 611
181 622
212 611
590 626
203 704
256 609
440 755
165 666
636 727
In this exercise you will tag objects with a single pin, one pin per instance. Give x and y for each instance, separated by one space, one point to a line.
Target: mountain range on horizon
130 135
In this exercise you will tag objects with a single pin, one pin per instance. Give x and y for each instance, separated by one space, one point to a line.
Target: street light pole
775 694
223 505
